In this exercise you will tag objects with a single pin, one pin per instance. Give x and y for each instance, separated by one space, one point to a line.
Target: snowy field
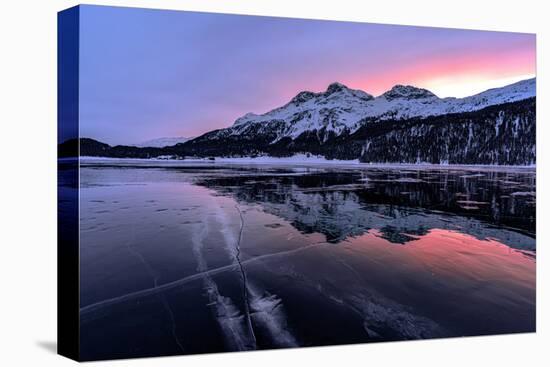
298 159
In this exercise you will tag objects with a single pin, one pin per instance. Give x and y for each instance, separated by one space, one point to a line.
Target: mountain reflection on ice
343 204
211 258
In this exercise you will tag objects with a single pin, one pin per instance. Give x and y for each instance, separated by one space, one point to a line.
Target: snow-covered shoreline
299 159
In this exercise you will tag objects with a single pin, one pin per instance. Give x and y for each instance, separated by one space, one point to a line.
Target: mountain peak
302 97
407 92
335 87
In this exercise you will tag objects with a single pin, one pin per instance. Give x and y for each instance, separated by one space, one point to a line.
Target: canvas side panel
67 200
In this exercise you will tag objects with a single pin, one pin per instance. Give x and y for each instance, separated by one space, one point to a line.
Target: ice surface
278 256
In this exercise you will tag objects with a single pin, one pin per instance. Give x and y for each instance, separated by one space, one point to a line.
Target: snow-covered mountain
340 108
403 125
162 142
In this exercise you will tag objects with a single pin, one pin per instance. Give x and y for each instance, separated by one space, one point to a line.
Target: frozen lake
207 257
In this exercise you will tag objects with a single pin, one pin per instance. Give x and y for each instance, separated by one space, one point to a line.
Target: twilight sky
147 74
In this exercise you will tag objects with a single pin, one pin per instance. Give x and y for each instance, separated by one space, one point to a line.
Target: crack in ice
243 274
86 310
153 276
226 312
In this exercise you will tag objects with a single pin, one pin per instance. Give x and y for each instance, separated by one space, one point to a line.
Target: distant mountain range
162 142
341 110
404 125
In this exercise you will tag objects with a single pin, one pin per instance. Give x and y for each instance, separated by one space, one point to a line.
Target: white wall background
28 182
